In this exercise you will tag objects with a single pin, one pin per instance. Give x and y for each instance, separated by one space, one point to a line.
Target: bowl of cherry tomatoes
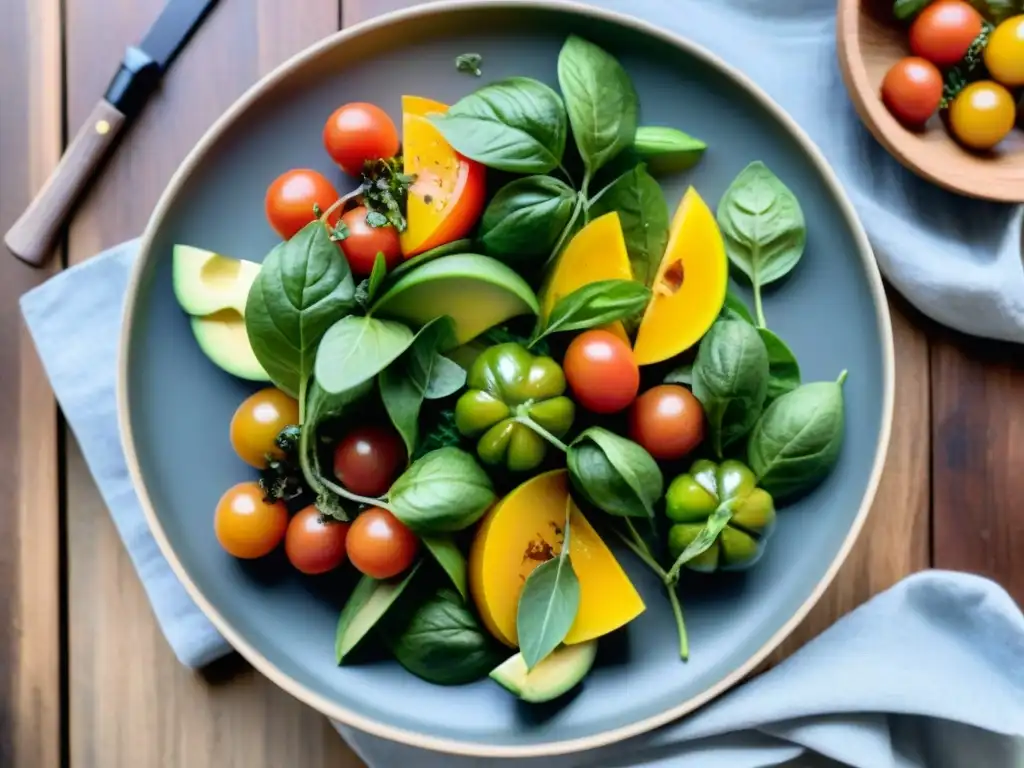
940 83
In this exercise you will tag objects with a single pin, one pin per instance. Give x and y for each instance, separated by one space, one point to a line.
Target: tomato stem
677 611
345 494
526 421
758 308
580 200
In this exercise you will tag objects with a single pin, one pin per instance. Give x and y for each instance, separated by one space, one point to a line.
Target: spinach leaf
303 288
356 349
730 378
377 275
526 217
797 440
442 642
736 309
763 228
446 378
783 369
614 474
905 9
448 555
403 384
366 606
517 125
600 99
595 304
444 491
548 603
643 213
681 375
667 150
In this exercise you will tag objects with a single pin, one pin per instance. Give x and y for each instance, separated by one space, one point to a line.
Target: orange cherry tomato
246 525
292 197
364 243
379 545
358 132
368 459
601 371
668 421
912 90
257 423
1004 54
982 114
314 543
944 30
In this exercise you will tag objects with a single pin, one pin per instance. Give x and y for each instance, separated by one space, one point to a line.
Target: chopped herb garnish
970 68
385 189
376 219
469 63
282 478
340 231
317 211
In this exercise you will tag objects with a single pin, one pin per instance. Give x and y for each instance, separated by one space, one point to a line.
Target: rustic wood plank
30 525
131 703
977 459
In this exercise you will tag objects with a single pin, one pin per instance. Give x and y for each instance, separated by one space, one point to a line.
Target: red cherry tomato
364 243
368 459
944 30
359 132
601 371
668 421
247 526
912 90
292 197
314 543
379 545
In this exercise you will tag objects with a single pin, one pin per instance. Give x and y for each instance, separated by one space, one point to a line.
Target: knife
32 235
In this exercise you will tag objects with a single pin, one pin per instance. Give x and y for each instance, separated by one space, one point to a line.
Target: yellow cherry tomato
1004 54
247 525
258 421
982 114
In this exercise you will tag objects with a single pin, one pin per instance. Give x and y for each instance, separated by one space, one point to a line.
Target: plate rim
409 737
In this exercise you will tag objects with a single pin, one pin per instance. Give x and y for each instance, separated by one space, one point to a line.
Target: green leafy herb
339 232
715 524
906 9
304 287
601 102
998 10
366 606
736 309
442 492
681 375
644 216
667 150
763 227
404 383
446 378
517 125
377 275
356 349
442 433
797 440
614 474
469 63
385 192
526 217
442 642
281 479
730 378
548 603
448 555
783 368
970 68
594 304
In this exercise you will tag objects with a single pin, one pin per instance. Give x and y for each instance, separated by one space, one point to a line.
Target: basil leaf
643 213
596 304
526 217
681 375
450 558
735 309
444 491
905 9
783 369
403 384
730 378
667 150
303 288
548 603
708 535
356 349
763 227
797 440
614 474
365 607
442 642
517 125
600 99
377 275
446 378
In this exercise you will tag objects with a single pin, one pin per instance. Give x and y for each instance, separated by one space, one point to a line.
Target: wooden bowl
870 40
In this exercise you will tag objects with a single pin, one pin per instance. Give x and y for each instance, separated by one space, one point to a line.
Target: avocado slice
477 292
223 339
206 282
557 674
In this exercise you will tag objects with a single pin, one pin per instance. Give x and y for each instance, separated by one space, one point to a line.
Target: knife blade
31 237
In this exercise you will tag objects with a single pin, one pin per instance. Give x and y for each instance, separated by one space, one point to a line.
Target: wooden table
87 678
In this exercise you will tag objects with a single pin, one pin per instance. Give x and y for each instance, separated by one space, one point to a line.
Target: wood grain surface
952 479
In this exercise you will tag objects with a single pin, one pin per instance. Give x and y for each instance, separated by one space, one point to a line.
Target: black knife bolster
137 78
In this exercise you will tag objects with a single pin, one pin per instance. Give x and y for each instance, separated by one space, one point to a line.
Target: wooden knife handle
32 236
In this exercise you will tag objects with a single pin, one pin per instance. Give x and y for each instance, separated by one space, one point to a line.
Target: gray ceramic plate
175 405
